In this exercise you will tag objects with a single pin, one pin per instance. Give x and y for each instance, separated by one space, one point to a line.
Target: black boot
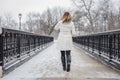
68 62
68 67
64 67
63 63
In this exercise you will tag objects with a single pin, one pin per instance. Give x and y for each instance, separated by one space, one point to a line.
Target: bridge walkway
47 66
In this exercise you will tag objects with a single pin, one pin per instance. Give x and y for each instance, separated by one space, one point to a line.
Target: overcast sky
25 6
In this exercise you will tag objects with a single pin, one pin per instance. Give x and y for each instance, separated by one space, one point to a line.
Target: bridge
28 56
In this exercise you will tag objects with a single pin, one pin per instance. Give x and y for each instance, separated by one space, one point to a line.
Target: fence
15 44
105 46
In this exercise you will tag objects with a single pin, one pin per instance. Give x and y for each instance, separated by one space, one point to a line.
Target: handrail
101 33
104 45
15 44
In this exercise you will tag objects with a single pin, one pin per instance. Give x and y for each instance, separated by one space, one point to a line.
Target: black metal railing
15 44
105 46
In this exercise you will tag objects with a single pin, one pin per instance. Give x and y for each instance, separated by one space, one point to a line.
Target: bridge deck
47 66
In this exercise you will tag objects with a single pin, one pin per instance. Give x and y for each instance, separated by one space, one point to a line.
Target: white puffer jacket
67 30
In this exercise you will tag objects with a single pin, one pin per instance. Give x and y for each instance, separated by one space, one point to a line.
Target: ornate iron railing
15 44
105 46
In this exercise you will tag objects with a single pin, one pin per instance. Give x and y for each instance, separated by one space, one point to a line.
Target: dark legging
66 59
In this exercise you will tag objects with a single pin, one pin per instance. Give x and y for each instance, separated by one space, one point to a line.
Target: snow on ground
47 64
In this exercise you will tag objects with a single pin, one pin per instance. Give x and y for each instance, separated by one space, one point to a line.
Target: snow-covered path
47 66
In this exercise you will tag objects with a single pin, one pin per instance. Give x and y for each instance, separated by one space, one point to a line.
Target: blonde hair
66 17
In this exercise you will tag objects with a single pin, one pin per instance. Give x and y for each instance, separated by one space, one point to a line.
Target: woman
64 44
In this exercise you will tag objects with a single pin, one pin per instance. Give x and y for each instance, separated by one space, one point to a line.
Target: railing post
110 47
29 44
99 45
88 43
42 42
118 47
1 56
34 42
39 42
18 45
84 42
92 44
1 50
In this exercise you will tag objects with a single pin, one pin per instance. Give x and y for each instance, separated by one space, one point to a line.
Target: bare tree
56 16
51 17
87 6
7 21
78 18
43 23
30 22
